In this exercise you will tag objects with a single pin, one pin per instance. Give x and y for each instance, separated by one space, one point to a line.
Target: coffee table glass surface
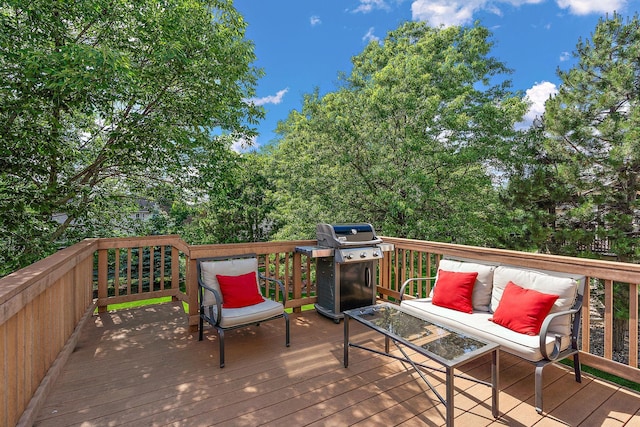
443 344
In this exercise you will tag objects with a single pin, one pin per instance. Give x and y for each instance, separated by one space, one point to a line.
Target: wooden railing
41 310
140 268
43 306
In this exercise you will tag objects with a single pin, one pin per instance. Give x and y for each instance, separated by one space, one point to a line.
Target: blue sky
304 44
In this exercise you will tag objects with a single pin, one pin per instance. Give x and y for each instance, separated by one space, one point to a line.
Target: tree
239 211
406 140
585 168
101 101
593 127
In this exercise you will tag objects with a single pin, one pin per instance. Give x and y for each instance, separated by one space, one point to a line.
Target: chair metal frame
214 314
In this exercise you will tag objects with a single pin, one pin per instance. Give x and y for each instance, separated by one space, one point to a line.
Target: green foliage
237 212
102 102
576 180
580 181
405 142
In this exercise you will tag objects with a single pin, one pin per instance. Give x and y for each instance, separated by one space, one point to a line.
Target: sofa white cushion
478 325
561 284
481 298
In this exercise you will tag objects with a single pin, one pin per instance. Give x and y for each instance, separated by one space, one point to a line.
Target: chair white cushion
253 313
230 267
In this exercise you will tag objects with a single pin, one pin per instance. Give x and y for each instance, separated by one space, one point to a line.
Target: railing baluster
162 272
129 267
633 325
152 266
140 268
608 319
116 273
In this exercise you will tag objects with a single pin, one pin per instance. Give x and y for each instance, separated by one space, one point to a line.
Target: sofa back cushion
523 310
564 285
481 297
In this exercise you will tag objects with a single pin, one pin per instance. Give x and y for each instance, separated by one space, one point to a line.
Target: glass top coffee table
443 345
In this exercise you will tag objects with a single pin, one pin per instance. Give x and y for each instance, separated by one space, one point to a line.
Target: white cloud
271 99
242 144
585 7
461 12
315 20
370 36
537 96
565 56
367 6
446 12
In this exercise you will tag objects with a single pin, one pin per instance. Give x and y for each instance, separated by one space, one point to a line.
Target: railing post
192 294
103 271
297 279
175 271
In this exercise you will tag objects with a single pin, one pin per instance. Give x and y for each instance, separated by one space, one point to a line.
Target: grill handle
367 277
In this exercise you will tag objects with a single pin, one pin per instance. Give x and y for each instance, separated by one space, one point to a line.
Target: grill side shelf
315 251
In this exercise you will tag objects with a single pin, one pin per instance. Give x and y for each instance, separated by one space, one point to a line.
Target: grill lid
346 235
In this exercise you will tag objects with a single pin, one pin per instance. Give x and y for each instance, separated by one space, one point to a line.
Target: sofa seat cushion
255 313
481 297
479 325
561 284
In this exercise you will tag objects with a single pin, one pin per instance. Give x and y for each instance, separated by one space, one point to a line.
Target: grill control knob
363 255
349 256
376 254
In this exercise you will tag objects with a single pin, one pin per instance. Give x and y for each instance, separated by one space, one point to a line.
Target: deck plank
143 367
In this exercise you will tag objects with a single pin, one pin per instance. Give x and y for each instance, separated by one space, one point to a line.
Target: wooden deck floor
141 367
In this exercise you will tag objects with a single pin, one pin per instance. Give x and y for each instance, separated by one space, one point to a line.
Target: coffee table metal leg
346 341
449 400
495 383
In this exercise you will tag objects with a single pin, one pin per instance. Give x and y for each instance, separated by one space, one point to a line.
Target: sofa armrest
280 286
406 282
218 299
557 345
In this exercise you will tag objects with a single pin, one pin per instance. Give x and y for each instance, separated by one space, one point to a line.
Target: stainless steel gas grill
346 259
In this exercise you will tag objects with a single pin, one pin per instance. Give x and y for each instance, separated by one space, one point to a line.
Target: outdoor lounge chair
230 297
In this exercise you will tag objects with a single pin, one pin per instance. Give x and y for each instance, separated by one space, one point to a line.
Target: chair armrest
557 345
280 285
217 297
413 279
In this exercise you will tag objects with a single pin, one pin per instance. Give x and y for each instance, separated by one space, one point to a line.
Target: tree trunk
620 328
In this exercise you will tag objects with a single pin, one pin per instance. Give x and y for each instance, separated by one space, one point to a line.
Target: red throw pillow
454 290
523 310
239 291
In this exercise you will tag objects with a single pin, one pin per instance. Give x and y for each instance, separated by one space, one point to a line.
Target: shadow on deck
143 367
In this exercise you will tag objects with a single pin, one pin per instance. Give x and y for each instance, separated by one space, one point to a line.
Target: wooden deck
142 367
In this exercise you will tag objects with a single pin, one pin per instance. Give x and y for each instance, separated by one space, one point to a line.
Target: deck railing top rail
611 270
